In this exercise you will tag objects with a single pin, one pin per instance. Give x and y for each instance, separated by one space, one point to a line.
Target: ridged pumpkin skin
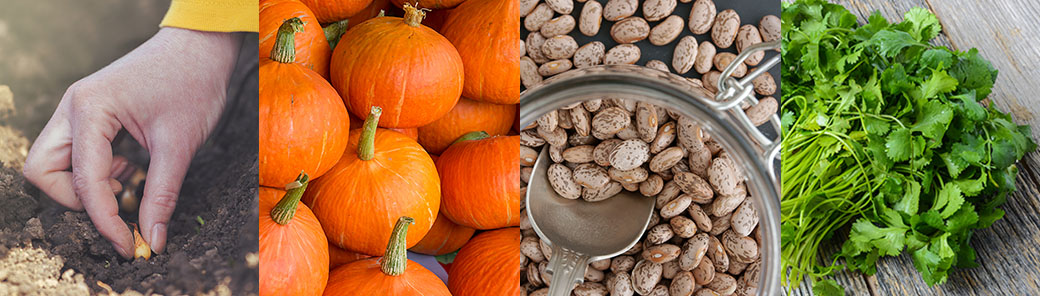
358 201
467 116
480 182
489 264
339 256
312 49
364 278
431 4
329 11
303 125
413 73
487 36
445 237
294 258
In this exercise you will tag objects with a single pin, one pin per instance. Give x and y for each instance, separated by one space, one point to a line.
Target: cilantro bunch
885 132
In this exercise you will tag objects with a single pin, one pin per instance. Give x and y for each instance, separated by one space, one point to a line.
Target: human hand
168 94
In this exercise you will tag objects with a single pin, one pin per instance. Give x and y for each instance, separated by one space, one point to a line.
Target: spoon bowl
579 231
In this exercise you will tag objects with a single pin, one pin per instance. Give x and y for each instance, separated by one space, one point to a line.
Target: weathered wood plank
1006 34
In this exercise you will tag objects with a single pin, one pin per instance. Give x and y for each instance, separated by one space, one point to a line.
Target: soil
212 243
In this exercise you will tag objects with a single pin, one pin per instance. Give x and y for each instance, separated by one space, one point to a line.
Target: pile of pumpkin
404 130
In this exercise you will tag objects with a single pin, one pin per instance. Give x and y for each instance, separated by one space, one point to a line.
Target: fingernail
158 239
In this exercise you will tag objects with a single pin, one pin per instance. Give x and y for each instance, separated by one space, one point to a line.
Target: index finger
91 162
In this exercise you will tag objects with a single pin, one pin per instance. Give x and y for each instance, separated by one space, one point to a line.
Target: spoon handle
567 268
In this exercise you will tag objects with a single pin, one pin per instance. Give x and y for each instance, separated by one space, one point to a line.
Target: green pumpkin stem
283 212
395 260
334 31
367 142
284 50
479 135
413 16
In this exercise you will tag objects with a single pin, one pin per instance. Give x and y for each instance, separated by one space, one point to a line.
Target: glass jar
720 114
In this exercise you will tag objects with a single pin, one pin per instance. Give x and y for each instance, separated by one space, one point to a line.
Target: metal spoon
580 231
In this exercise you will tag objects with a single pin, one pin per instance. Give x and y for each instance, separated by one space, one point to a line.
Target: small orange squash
294 255
407 69
371 11
467 116
329 11
312 51
487 36
383 174
480 181
303 125
489 264
392 274
445 237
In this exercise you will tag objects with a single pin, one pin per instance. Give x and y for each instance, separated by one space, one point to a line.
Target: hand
168 94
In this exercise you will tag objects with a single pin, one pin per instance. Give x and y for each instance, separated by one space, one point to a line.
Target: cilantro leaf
933 120
898 144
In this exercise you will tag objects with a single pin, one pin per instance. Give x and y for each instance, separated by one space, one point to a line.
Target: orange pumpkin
445 237
487 36
406 68
467 116
294 255
431 4
489 264
329 11
480 181
312 50
339 256
392 274
303 125
383 174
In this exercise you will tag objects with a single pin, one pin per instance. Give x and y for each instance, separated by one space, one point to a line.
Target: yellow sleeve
214 15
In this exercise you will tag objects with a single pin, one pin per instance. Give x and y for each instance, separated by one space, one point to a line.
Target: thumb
161 188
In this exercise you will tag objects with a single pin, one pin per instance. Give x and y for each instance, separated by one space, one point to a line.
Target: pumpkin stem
413 16
284 50
334 31
367 142
283 212
395 260
480 135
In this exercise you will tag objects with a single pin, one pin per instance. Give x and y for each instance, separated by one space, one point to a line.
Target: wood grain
1007 34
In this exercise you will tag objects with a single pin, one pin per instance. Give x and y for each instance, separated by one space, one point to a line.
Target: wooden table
1006 33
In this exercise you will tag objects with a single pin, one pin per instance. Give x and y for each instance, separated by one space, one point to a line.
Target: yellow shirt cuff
214 15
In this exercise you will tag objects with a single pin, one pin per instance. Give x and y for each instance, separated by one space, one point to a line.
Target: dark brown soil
217 256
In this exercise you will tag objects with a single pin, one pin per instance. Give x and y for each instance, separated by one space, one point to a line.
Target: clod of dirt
33 271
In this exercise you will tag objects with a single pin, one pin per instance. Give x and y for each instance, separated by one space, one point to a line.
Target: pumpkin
329 11
392 274
435 19
406 68
294 254
489 264
410 132
312 50
383 174
480 181
303 124
487 36
467 116
339 256
445 237
430 4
